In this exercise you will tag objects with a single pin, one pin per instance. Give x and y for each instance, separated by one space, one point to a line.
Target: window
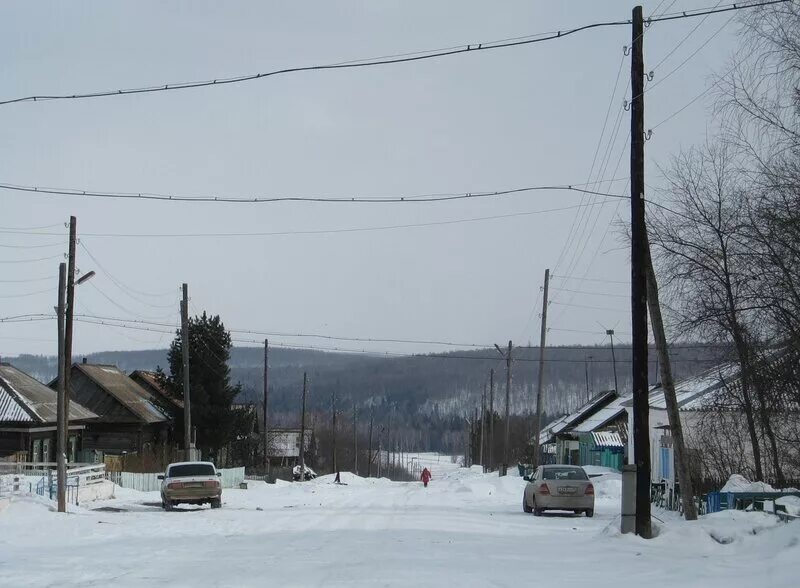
191 469
565 474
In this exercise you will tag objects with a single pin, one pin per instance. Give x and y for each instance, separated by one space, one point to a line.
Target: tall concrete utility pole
491 421
266 406
641 432
61 441
540 383
303 430
188 444
70 311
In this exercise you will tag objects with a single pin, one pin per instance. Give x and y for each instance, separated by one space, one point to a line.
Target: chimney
84 360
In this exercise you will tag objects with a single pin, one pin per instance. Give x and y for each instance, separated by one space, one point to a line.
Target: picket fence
231 478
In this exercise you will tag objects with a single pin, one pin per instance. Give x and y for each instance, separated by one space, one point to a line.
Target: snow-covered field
465 529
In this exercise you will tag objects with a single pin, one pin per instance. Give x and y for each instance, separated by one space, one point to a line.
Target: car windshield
191 469
565 474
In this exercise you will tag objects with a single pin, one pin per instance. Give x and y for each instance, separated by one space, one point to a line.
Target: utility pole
610 333
355 441
333 424
61 441
540 384
491 422
303 430
586 368
188 445
507 357
70 312
369 449
483 427
641 429
266 406
670 398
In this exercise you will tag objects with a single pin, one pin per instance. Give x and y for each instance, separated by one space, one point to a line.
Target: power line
584 279
29 281
590 293
389 60
26 294
320 199
40 246
591 307
32 260
333 231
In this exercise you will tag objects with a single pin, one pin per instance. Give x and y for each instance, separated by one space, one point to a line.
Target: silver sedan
558 487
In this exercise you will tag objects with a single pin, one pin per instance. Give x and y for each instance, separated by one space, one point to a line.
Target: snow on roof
130 394
547 433
695 393
603 416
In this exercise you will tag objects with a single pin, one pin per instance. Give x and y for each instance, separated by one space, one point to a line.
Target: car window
191 469
565 474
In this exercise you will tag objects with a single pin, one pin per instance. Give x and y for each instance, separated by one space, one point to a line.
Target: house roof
127 392
696 393
149 378
24 399
603 416
567 422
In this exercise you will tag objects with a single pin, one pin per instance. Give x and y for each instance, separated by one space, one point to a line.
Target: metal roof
547 433
695 393
25 399
602 417
607 439
149 378
130 394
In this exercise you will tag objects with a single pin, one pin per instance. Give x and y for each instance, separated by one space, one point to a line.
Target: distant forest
427 396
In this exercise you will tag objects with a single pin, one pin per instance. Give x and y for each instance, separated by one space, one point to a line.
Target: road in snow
466 529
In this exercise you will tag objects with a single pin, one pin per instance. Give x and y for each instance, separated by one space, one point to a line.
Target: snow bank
792 504
608 486
738 483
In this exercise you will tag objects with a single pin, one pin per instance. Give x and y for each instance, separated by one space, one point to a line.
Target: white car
191 482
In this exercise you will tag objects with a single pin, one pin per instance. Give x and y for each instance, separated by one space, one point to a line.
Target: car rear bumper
564 502
192 494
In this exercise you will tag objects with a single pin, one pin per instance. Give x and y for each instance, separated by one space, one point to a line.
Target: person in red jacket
426 477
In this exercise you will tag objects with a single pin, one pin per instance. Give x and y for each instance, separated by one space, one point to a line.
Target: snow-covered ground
465 529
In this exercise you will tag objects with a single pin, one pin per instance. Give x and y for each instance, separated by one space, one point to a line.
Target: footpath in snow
465 529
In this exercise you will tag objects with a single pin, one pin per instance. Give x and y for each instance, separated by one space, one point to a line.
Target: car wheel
589 512
167 504
525 507
537 512
216 503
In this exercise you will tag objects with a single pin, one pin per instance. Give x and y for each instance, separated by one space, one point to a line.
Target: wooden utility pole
641 428
540 383
61 441
491 421
507 437
266 406
355 441
70 312
670 399
483 428
303 430
188 444
586 368
369 449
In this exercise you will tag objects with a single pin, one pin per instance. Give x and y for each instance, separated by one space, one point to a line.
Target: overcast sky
522 116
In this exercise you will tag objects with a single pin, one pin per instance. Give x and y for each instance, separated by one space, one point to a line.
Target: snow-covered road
466 529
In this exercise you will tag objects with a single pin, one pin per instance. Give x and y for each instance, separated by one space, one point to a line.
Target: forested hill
435 385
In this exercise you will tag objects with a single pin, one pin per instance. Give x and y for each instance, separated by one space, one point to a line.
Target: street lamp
610 333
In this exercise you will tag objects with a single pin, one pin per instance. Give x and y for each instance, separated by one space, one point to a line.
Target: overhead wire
390 60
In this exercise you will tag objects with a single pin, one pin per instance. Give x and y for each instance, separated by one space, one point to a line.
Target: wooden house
130 419
28 418
147 380
594 434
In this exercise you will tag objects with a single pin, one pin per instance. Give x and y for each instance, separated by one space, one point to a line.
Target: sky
531 115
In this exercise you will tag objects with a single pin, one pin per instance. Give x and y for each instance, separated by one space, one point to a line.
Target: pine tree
209 377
